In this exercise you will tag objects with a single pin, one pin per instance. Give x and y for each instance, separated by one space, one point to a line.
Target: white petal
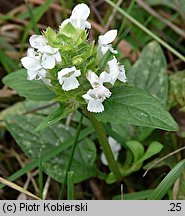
48 49
103 159
104 49
122 76
48 62
116 154
95 106
104 77
87 97
113 70
37 41
61 80
113 50
81 11
42 72
31 52
93 78
31 74
115 146
66 71
70 83
87 25
57 57
78 23
79 16
30 63
101 92
66 21
108 37
77 73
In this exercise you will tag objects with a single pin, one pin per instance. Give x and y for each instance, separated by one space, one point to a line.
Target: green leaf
181 187
136 148
153 149
34 90
149 72
135 106
54 117
167 182
27 107
141 195
83 165
177 89
135 158
49 154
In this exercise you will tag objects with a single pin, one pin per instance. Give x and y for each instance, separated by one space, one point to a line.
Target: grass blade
141 195
37 17
70 186
34 24
147 31
9 64
76 140
167 182
40 176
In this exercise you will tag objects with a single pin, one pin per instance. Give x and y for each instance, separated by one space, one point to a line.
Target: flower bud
77 60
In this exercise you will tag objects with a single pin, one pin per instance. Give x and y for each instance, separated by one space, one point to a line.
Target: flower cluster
69 63
40 58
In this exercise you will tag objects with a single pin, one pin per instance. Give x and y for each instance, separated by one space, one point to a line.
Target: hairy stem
99 128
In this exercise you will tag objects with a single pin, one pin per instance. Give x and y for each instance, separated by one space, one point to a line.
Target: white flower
32 63
105 41
96 81
37 41
115 72
94 97
50 55
67 78
79 17
115 147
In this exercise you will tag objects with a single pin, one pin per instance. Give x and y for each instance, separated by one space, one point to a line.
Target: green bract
75 50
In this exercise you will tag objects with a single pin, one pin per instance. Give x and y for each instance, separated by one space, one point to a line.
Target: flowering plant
79 74
69 63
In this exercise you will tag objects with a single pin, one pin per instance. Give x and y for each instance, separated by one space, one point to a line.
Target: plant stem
99 128
40 176
150 33
61 195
